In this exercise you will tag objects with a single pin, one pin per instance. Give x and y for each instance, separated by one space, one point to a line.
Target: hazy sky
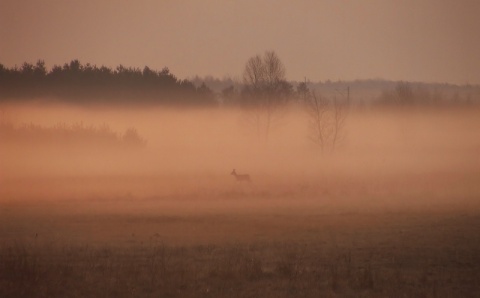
415 40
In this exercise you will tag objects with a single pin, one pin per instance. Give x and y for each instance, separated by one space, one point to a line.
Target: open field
395 212
243 241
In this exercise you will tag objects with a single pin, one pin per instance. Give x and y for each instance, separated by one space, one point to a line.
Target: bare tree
340 109
326 121
254 73
265 91
319 124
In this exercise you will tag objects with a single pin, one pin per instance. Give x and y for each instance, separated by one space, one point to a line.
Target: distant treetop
85 83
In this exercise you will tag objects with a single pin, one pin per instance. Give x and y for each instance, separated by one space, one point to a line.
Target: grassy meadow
395 212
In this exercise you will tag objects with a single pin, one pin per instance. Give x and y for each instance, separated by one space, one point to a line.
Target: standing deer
241 178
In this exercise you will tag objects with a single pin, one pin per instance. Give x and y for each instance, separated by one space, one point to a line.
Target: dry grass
238 248
394 213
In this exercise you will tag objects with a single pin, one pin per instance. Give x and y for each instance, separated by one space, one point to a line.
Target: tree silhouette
78 83
326 120
265 91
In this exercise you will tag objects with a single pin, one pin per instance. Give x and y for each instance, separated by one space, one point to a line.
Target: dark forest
85 83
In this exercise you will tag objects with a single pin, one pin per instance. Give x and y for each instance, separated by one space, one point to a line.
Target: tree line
73 135
85 83
79 83
264 93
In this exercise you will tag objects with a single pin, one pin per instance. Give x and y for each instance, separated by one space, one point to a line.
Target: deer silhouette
241 178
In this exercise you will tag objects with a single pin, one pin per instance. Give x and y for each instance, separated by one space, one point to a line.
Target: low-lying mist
142 201
193 151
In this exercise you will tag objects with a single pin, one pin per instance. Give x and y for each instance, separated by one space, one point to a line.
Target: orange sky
415 40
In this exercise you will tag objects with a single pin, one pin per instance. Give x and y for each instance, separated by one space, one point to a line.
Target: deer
242 177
